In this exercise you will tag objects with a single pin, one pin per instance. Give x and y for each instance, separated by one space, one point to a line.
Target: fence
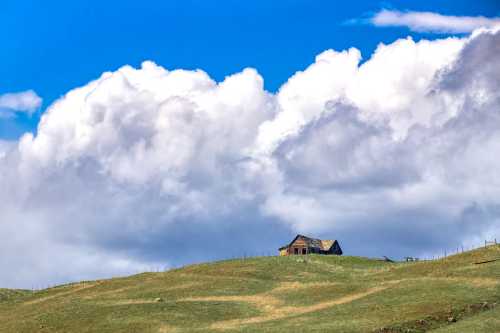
247 256
493 242
448 252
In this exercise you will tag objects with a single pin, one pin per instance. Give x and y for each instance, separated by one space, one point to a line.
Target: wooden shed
305 245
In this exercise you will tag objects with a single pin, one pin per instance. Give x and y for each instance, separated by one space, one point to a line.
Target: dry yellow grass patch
108 292
475 282
127 301
287 286
264 301
274 308
167 329
274 312
74 289
117 291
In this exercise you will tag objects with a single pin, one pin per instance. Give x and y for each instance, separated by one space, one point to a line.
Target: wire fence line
252 255
457 250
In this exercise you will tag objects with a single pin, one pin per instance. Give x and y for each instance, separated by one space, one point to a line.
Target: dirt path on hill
287 286
273 308
266 300
275 313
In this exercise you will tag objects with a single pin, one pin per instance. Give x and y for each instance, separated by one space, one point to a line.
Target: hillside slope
11 294
274 294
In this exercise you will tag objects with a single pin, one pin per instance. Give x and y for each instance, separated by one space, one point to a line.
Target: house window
296 251
304 251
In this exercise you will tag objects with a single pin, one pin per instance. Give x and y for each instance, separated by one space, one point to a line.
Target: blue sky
54 46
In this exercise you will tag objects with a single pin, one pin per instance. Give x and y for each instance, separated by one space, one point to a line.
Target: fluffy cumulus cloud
26 101
148 168
432 22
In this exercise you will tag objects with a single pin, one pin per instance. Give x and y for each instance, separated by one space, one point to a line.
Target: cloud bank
26 101
432 22
155 168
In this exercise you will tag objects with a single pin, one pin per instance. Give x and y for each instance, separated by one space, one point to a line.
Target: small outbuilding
305 245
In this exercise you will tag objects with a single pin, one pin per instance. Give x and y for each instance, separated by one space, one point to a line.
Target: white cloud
25 101
432 22
405 134
143 167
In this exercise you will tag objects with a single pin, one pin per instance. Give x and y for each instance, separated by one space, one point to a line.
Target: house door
295 251
304 251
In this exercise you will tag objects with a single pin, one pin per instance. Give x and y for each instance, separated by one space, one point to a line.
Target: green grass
488 321
11 294
274 294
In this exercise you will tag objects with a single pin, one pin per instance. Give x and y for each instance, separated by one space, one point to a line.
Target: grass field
274 294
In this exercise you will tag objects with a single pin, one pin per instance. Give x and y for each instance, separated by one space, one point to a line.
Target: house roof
327 244
323 245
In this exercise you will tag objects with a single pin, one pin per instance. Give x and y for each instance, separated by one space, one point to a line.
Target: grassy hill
11 294
274 294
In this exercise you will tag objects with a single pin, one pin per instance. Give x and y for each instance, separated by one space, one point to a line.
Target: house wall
299 245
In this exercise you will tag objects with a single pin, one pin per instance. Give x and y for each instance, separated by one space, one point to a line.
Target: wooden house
305 245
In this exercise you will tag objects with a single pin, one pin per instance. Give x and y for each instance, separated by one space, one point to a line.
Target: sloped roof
323 245
327 244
